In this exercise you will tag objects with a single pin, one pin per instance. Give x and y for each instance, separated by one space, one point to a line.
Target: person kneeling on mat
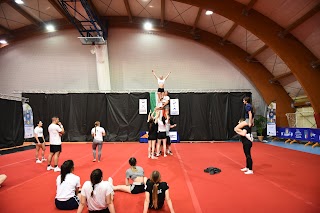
68 184
136 174
156 193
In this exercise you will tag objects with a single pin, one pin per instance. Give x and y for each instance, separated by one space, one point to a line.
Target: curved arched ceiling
253 33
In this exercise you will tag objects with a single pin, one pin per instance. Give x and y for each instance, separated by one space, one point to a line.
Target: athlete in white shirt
97 194
161 82
97 133
68 184
40 142
55 132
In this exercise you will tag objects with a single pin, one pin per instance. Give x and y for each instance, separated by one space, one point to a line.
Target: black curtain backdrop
11 123
208 116
123 120
203 116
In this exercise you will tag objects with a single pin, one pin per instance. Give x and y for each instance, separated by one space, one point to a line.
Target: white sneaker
38 161
249 172
158 154
149 156
49 168
43 159
56 169
244 169
165 155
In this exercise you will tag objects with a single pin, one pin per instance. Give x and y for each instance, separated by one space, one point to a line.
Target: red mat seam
194 198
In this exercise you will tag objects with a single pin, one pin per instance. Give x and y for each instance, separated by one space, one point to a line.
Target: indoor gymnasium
180 106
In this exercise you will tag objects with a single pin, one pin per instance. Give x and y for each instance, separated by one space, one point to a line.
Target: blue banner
303 134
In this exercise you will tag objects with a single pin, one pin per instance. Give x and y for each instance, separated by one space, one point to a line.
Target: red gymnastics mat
283 181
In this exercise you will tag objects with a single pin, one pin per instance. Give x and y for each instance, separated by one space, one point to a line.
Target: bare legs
151 148
164 145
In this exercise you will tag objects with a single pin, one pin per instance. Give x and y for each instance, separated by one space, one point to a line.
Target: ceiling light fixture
3 42
19 1
209 12
50 28
147 26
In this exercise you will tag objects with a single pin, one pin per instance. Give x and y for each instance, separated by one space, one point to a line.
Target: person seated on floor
97 194
156 193
136 174
68 184
3 177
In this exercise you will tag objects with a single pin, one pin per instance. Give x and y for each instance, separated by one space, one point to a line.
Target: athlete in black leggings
247 144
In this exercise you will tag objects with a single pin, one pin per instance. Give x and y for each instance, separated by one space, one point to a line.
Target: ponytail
95 178
66 168
155 179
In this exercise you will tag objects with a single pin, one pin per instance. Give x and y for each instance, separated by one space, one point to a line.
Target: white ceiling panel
284 12
294 89
245 40
11 19
214 23
110 7
309 34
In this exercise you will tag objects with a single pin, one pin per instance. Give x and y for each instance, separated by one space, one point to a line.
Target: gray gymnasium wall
58 61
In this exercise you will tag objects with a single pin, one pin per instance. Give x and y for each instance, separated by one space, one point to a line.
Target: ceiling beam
17 8
58 8
257 52
249 6
126 3
4 29
163 8
299 21
197 19
281 76
227 35
93 7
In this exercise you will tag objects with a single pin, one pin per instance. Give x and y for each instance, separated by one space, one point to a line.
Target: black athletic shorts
168 140
136 189
40 140
162 135
55 148
153 137
70 204
100 211
160 89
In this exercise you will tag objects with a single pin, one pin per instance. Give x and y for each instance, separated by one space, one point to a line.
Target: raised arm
149 116
167 76
154 73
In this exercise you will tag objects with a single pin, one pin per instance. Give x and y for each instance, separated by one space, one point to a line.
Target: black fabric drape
11 123
124 122
203 116
208 116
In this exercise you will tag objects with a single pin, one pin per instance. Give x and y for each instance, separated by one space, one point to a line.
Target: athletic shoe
49 168
38 161
94 160
170 153
154 157
43 159
56 169
158 154
244 169
249 172
165 155
149 156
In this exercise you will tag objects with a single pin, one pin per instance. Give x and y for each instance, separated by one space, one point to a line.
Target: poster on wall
271 119
143 107
174 106
28 121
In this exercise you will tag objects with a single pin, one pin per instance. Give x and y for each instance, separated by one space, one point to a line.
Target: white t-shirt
161 81
67 189
161 125
54 137
98 200
38 131
98 131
